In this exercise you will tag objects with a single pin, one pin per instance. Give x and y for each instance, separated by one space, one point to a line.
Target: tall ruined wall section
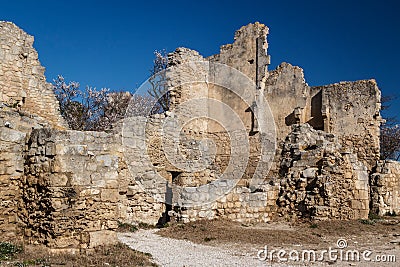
198 185
248 53
351 110
22 80
14 131
12 143
287 94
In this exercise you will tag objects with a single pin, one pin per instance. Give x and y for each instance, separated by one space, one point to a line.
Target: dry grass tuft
111 256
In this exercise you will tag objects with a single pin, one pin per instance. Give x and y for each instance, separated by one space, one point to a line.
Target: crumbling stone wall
385 188
77 189
14 129
352 112
248 53
319 179
11 172
288 96
70 189
192 188
348 109
22 80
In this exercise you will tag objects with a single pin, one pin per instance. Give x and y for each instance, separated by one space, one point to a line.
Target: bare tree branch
390 134
158 81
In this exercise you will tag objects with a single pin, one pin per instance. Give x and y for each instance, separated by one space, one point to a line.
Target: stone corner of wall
257 29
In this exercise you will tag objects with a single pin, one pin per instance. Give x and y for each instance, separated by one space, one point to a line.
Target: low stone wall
385 188
241 205
77 190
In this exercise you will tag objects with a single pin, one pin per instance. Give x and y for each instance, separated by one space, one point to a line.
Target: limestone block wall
77 189
248 53
241 205
233 195
14 130
22 80
352 111
385 188
200 170
287 94
320 182
70 190
12 143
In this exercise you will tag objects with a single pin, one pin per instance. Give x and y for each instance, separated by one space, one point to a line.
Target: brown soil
112 255
363 233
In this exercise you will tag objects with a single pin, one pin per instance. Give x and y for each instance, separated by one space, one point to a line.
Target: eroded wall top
22 81
248 53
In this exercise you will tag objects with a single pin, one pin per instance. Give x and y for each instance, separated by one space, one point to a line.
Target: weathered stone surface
70 189
22 80
102 237
313 184
385 188
351 110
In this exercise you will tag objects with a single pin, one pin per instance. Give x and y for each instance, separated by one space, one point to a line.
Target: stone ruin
318 158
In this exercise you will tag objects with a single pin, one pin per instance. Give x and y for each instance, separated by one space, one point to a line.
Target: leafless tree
158 81
390 134
99 110
123 104
390 142
81 109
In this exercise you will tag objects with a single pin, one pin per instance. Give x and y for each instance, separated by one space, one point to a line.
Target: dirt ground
110 256
381 236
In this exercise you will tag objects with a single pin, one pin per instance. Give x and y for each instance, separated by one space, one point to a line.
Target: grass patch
8 250
143 225
313 226
110 255
373 216
126 227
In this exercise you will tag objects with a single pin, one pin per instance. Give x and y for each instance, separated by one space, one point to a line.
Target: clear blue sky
111 43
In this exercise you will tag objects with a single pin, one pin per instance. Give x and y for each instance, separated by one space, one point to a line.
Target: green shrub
8 250
373 216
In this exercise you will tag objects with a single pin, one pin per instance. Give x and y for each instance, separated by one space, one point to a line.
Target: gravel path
173 252
182 253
